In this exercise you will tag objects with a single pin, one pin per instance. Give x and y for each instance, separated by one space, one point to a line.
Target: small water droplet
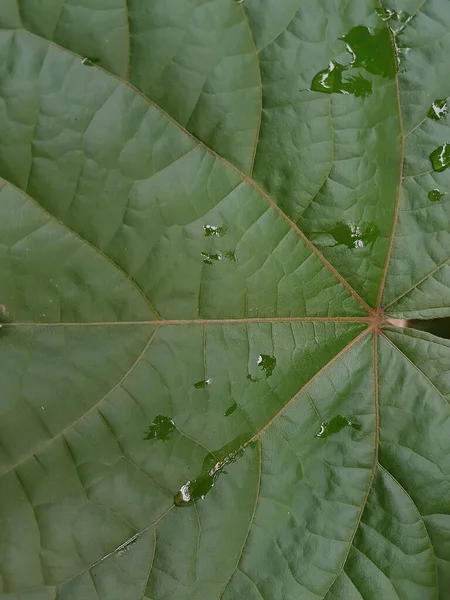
438 110
253 379
231 410
337 424
201 385
161 428
209 259
213 467
89 61
266 363
397 19
435 195
216 230
440 158
354 236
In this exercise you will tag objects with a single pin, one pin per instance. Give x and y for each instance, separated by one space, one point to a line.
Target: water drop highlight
337 424
201 385
354 236
213 467
210 259
440 158
438 110
161 429
90 62
267 364
216 230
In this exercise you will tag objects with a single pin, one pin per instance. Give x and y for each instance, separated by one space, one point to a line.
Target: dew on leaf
231 410
337 424
201 385
331 81
435 195
354 236
440 158
397 19
213 466
438 110
216 230
210 259
253 379
266 363
161 428
89 61
371 50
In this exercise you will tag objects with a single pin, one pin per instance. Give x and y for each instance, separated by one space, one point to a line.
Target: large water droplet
371 51
216 230
90 62
267 364
435 195
213 467
331 81
231 410
337 424
201 385
440 158
161 428
354 236
438 110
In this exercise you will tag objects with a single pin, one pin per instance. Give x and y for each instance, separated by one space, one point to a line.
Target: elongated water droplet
213 467
266 363
209 259
354 236
201 385
161 428
440 158
90 62
252 379
331 81
216 230
231 409
435 195
337 424
438 110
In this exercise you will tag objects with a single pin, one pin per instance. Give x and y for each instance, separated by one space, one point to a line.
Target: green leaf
212 213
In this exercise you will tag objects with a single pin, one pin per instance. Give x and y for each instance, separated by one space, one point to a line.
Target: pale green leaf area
209 211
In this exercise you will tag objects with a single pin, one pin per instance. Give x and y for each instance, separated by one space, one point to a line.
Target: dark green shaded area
231 409
161 428
438 110
440 158
354 236
337 424
200 385
435 195
331 81
267 364
371 51
213 467
216 230
253 379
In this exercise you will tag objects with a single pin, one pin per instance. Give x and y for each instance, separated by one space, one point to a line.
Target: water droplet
90 62
330 81
231 410
213 467
397 19
438 110
371 51
201 385
435 195
354 236
266 363
216 230
209 259
337 424
440 158
253 379
161 429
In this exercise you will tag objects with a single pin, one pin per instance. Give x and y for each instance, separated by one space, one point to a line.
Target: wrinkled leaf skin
212 213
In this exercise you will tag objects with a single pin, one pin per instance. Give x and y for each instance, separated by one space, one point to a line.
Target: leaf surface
209 210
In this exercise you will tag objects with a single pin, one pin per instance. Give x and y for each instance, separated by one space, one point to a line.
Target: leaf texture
200 250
